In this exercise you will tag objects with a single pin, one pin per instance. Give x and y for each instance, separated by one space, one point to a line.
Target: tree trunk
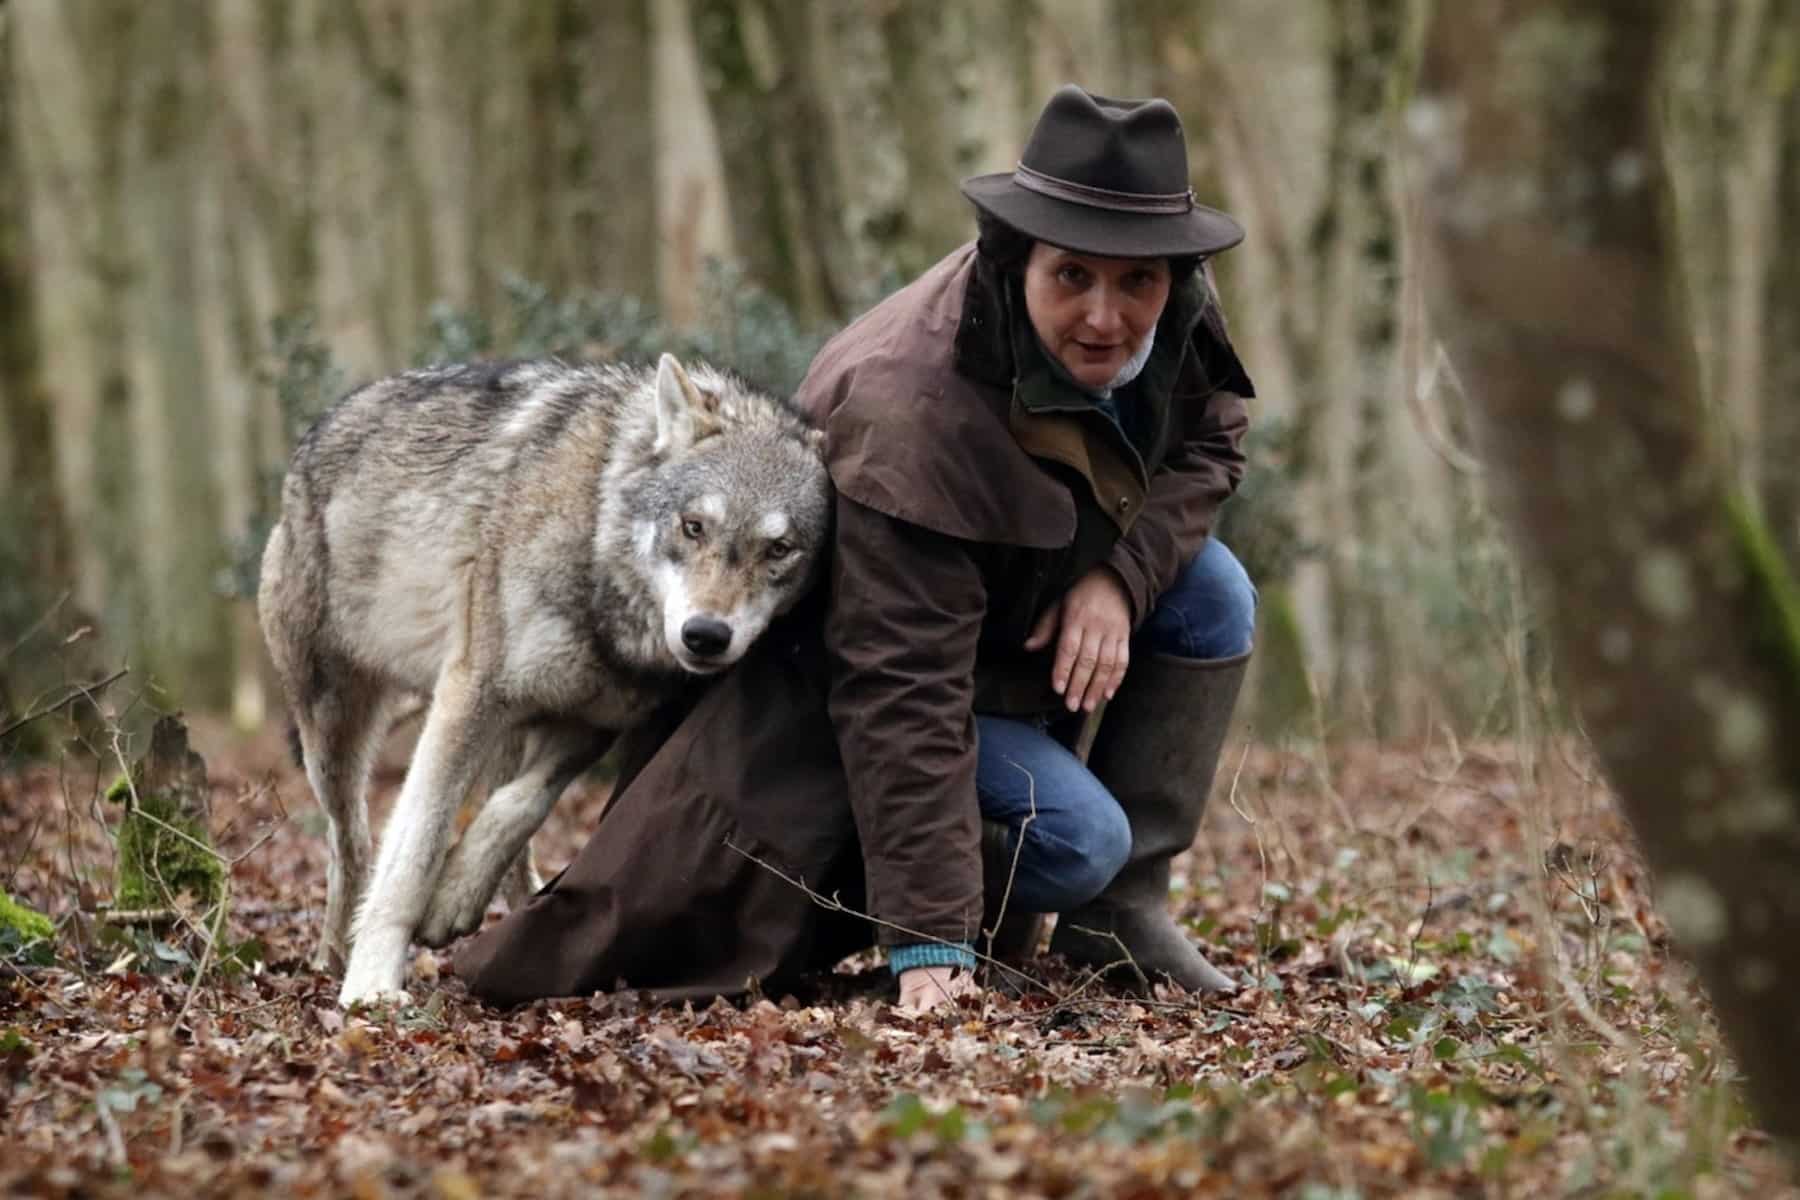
693 216
760 64
604 230
71 67
1781 470
176 504
1673 619
1725 104
28 449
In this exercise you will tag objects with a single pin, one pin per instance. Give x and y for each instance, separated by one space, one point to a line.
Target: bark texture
1545 189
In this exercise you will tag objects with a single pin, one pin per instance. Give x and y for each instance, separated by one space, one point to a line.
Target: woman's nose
1103 315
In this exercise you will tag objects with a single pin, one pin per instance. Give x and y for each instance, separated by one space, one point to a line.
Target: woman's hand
924 988
1095 645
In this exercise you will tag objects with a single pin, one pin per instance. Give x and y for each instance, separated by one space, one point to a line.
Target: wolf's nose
706 636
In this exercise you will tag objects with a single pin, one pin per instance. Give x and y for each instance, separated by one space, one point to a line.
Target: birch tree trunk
1674 621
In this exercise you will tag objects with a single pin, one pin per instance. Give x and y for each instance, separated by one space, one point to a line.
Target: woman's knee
1078 858
1209 612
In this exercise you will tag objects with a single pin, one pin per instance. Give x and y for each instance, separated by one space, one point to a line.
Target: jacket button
1124 503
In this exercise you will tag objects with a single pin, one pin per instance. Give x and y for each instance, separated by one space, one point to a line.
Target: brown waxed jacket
973 487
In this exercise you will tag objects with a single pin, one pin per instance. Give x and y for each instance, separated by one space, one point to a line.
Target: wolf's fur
545 552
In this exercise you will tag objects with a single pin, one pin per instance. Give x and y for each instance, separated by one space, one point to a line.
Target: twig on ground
1320 765
76 692
139 916
833 904
1012 870
1098 973
1435 433
213 928
109 1126
1441 783
24 852
1262 854
31 630
1412 943
1589 1015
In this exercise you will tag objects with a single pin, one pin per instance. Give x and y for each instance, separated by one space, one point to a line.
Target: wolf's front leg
502 831
412 846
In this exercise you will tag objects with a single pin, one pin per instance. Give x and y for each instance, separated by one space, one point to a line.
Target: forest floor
1457 986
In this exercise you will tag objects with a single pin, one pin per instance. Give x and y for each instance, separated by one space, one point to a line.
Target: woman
1030 444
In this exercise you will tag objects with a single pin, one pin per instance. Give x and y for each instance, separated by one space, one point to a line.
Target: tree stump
165 852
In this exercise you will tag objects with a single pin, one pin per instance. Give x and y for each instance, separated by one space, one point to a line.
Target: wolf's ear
677 399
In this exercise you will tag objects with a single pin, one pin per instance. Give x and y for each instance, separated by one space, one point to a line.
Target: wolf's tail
294 748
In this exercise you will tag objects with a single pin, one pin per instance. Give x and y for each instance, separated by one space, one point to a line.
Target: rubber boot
1016 932
1157 752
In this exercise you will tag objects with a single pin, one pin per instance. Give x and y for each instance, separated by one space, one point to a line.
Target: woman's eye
780 549
692 528
1073 276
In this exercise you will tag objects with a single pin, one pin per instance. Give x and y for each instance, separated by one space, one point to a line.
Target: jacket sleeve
905 614
1200 472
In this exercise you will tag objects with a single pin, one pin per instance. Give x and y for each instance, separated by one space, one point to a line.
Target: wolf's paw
327 958
381 998
377 970
453 912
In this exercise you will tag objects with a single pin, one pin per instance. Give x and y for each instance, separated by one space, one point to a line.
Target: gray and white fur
542 553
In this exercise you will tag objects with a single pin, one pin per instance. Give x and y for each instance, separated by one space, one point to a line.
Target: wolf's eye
692 528
780 548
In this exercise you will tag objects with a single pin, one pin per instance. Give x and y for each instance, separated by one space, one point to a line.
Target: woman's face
1093 313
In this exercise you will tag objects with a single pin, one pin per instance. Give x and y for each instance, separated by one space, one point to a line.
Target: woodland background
203 202
216 216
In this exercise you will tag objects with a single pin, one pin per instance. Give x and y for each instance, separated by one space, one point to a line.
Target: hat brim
1200 230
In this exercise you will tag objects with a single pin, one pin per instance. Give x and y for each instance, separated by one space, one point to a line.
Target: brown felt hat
1106 177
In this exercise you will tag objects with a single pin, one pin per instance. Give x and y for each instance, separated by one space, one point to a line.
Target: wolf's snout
708 637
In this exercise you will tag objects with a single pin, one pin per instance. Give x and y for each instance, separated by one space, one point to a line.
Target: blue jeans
1079 838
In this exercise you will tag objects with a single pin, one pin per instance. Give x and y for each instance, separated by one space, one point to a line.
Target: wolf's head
734 517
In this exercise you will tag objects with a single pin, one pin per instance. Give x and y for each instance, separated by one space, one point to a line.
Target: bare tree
1674 621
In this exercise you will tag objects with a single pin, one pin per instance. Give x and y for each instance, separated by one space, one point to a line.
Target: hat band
1150 203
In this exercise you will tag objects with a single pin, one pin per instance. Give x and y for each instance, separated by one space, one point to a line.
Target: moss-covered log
1672 614
22 926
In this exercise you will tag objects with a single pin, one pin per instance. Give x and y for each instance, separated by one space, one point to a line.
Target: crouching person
1030 444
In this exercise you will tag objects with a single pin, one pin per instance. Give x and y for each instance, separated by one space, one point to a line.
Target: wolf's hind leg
501 833
340 732
446 759
522 881
504 763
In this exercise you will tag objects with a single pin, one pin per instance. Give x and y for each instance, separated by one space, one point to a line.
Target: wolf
541 554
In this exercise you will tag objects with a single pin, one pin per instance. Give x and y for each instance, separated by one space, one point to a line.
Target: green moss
164 847
158 858
1775 598
27 924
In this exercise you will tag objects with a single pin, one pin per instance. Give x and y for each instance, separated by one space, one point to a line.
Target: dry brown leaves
1409 1028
